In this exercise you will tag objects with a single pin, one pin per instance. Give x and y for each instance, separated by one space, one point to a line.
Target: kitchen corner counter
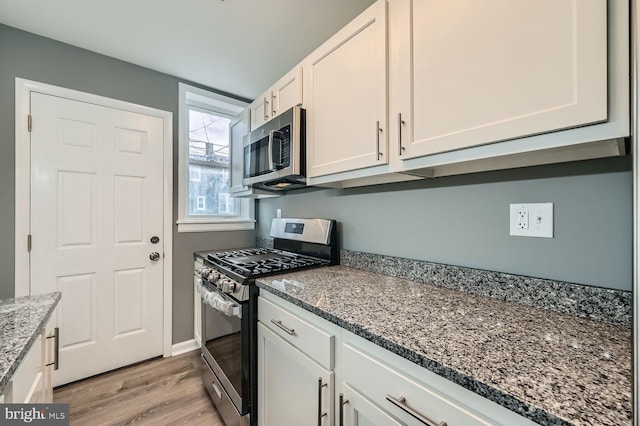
553 368
21 320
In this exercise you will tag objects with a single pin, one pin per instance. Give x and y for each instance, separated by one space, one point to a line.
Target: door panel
288 384
346 95
97 199
519 68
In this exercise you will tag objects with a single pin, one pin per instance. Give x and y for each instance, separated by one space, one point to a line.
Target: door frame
23 89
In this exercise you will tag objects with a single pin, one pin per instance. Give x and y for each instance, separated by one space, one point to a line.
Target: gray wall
36 58
464 220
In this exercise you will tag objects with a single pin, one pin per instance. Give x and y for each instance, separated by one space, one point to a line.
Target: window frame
190 96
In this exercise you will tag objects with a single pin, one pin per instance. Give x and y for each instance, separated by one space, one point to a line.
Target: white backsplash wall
464 220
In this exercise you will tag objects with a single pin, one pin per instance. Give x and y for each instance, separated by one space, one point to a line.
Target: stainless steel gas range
225 281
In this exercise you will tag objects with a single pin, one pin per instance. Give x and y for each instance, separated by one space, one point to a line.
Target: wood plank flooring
161 391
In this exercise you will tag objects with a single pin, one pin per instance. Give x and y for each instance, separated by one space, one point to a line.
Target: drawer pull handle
289 331
56 349
320 413
341 408
216 389
402 404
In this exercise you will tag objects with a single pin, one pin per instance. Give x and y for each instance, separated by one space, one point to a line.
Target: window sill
186 225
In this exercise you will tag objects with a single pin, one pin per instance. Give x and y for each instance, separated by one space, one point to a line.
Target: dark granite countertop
20 321
550 367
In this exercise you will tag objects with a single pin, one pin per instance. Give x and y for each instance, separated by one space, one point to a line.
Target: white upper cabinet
472 86
238 128
260 109
345 83
286 93
470 73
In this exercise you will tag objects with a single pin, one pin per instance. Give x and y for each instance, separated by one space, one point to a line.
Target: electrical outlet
522 218
278 212
531 220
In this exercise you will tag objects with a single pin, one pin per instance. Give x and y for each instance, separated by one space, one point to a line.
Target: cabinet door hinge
29 122
29 243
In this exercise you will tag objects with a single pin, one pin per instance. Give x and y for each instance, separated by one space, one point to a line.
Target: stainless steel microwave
274 153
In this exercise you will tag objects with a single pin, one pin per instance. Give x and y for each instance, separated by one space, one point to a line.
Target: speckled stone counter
550 367
21 320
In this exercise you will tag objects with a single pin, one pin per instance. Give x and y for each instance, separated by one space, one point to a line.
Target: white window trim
190 95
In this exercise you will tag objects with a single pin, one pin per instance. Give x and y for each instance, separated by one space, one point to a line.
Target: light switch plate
531 220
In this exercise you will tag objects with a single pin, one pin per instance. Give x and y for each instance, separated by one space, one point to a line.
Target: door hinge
29 122
29 243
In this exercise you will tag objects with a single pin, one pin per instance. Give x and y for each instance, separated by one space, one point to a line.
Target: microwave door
257 158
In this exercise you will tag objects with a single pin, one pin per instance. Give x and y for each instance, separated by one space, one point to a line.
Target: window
205 203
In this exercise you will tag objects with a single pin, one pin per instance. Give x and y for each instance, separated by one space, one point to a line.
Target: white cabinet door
469 73
292 389
28 380
238 128
346 94
260 109
360 411
49 356
287 92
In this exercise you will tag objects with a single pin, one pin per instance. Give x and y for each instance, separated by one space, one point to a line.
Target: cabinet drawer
309 339
400 395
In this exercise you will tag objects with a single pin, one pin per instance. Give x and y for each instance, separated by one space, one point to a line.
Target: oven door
225 344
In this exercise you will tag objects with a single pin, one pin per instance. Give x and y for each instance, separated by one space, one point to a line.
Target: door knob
154 256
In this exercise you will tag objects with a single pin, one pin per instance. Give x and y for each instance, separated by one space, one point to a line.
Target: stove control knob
221 283
229 286
203 271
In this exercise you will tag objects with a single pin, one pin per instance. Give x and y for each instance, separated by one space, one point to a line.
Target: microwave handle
275 134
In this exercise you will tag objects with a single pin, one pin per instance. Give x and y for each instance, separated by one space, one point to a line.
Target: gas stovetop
258 262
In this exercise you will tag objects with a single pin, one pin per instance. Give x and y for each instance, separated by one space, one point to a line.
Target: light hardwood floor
165 391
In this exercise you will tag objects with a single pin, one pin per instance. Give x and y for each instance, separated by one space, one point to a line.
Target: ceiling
237 46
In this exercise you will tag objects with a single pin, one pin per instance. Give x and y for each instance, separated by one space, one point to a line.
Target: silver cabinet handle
266 105
402 404
342 402
273 105
321 414
56 349
400 124
289 331
378 131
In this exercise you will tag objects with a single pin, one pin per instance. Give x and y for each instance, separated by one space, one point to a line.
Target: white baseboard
184 347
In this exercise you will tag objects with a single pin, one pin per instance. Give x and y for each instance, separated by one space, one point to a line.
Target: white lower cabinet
397 395
50 353
32 382
382 388
292 388
358 410
27 383
296 378
312 372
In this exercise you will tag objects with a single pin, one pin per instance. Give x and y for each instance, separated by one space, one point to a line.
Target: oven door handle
219 302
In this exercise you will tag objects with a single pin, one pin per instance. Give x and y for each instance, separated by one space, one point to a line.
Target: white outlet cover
540 218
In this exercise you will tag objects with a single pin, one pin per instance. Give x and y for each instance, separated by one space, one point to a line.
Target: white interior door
96 202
